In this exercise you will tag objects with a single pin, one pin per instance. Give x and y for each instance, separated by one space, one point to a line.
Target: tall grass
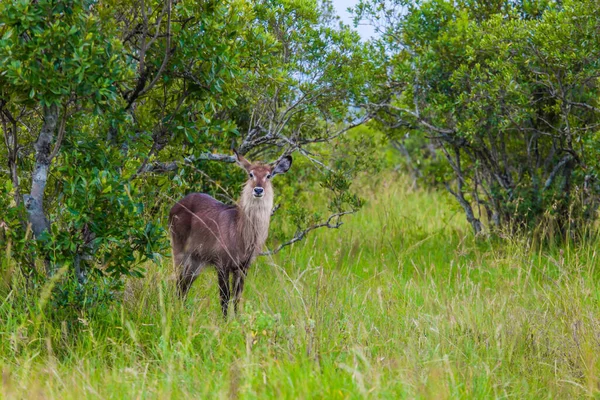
402 302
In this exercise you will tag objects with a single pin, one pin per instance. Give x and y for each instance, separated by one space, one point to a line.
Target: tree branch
170 166
35 201
584 105
61 134
302 234
566 159
167 53
420 120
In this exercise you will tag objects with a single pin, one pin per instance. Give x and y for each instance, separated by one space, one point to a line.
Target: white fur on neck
256 216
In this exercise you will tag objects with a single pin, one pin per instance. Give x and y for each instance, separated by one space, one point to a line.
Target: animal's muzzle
259 192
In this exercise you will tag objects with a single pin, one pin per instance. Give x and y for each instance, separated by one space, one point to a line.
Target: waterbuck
205 231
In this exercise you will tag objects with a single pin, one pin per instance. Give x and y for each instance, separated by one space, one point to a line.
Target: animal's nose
258 190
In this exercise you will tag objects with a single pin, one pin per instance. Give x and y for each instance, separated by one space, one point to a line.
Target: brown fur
205 231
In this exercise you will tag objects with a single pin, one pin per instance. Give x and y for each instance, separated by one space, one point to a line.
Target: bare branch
584 105
175 165
167 53
566 159
61 134
420 120
274 210
212 157
302 234
169 166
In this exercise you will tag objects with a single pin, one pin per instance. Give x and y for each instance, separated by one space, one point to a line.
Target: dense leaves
51 51
498 101
111 111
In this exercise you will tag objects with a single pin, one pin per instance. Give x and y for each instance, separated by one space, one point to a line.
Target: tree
57 63
507 93
127 105
295 94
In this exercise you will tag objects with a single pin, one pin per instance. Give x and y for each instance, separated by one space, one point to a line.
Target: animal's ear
282 165
241 161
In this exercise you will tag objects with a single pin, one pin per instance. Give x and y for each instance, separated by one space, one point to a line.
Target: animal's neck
255 219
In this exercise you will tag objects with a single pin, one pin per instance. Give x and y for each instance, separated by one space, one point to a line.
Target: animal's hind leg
189 270
184 278
223 289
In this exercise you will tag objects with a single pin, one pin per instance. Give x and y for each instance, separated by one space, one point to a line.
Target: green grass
401 302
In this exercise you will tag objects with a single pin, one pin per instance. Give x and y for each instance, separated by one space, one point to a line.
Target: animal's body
205 231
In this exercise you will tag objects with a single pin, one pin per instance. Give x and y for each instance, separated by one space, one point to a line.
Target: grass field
401 302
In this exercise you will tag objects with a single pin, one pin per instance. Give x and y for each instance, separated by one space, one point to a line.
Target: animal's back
200 218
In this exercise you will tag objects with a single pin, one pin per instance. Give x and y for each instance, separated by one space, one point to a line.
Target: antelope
206 232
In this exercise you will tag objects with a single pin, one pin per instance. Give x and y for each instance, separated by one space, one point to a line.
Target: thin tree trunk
9 125
474 221
414 170
564 216
459 193
34 202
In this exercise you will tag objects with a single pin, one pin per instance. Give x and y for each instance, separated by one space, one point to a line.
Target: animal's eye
251 175
268 176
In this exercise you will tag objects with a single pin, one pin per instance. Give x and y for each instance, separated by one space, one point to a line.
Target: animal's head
260 175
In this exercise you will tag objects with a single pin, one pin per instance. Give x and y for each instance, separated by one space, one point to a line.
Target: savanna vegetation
435 236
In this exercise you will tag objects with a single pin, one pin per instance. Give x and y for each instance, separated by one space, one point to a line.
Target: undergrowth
401 302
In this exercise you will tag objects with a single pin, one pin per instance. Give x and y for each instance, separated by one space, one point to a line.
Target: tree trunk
9 126
474 221
564 217
34 202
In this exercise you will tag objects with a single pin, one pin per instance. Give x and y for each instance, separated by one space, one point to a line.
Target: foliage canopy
498 101
111 111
